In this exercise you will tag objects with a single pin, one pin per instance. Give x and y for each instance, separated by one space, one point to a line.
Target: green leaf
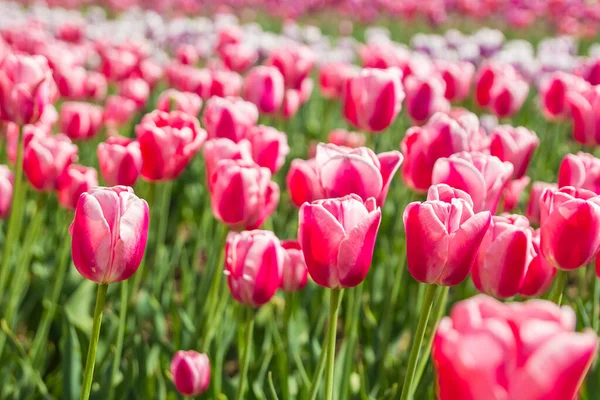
79 306
71 361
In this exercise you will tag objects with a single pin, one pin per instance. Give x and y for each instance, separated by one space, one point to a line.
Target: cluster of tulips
141 112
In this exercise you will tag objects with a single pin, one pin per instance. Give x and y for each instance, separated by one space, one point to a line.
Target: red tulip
373 98
174 100
242 194
343 171
443 236
342 137
303 183
269 147
337 237
512 193
294 62
168 142
76 180
26 88
6 190
294 273
118 110
568 214
581 170
458 76
253 265
120 161
333 77
515 145
490 350
265 88
486 76
425 96
135 89
79 120
217 150
191 372
441 137
46 159
109 234
229 118
533 206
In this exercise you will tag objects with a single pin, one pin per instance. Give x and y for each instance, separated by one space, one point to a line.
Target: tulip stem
120 336
318 375
559 287
418 341
88 375
438 312
16 216
596 305
334 307
245 362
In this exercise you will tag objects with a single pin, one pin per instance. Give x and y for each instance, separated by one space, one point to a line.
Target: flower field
299 199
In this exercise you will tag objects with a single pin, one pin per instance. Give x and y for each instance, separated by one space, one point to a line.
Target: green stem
120 337
318 375
418 341
334 307
90 362
559 286
596 305
351 333
439 308
16 216
245 363
164 202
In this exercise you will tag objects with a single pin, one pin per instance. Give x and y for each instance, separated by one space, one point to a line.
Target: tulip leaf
79 306
71 361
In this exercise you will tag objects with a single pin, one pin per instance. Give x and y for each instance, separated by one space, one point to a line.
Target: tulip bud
187 54
295 274
581 170
253 266
269 147
425 96
458 76
135 89
46 159
515 145
76 180
7 180
174 100
95 85
553 93
303 183
168 142
291 103
217 150
264 87
229 118
225 83
584 107
533 206
238 57
507 96
120 160
109 234
337 237
79 120
333 77
295 64
191 372
118 110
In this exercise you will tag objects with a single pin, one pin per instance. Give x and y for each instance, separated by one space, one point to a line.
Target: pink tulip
507 96
168 142
585 110
512 193
186 78
46 159
242 194
303 183
135 89
482 176
79 120
253 266
333 77
230 118
581 170
76 180
29 132
533 206
191 372
294 62
71 82
109 234
515 145
265 88
238 57
425 96
540 273
443 236
458 76
118 110
342 137
490 350
269 147
186 54
174 100
225 83
568 214
343 171
441 137
294 273
95 85
373 98
337 237
7 180
230 34
485 78
217 150
120 161
553 93
26 88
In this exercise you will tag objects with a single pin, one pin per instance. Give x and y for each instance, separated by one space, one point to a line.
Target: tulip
120 161
291 103
95 85
189 79
7 181
264 86
28 132
512 193
344 171
76 180
485 78
303 183
507 96
269 147
333 77
505 345
168 142
46 160
553 94
118 110
135 89
373 98
79 120
187 54
482 176
191 372
540 273
585 106
238 57
174 100
254 263
229 118
443 236
294 272
225 83
425 96
515 145
71 82
217 150
294 63
458 77
581 170
441 137
533 206
26 88
242 194
342 137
